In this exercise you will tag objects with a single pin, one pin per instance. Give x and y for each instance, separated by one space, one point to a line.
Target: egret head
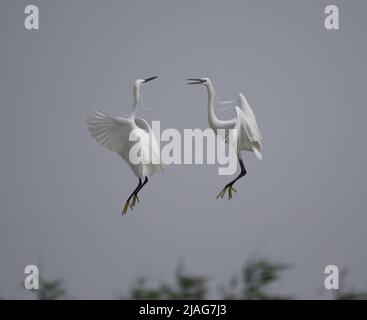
140 82
137 84
202 81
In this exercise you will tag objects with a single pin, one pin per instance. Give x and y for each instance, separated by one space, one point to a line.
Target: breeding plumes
120 134
246 136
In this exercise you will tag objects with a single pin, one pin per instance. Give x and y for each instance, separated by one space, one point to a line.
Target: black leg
141 186
127 204
242 173
136 191
230 184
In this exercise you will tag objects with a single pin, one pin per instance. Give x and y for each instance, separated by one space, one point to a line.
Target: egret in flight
119 134
247 135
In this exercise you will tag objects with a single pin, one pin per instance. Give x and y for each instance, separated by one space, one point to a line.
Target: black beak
195 81
150 79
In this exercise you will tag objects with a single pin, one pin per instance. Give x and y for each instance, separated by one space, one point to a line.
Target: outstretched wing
246 134
245 107
110 132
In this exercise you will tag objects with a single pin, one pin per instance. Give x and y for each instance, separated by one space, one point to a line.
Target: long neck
213 120
136 101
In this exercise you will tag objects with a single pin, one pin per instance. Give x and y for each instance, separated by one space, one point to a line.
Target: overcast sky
61 193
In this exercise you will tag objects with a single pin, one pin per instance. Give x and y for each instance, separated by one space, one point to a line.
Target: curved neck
136 101
211 114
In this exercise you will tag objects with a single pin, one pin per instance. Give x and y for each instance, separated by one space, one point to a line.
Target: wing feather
246 135
245 107
110 132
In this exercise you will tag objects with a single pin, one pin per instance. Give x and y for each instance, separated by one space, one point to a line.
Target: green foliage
254 282
50 290
348 294
185 287
257 275
352 295
141 291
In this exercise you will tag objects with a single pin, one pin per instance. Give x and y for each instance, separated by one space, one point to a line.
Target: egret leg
229 186
137 190
127 204
141 186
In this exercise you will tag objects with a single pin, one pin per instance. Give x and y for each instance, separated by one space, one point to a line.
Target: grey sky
61 193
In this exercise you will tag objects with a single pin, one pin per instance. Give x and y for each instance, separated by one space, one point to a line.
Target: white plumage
114 133
246 137
121 134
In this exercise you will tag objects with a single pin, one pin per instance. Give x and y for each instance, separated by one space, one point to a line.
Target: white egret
247 135
119 134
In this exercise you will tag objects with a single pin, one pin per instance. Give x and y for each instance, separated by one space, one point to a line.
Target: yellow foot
126 207
135 199
130 204
223 192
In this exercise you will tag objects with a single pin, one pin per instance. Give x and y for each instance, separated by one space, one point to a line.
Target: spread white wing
120 134
111 132
245 107
246 135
